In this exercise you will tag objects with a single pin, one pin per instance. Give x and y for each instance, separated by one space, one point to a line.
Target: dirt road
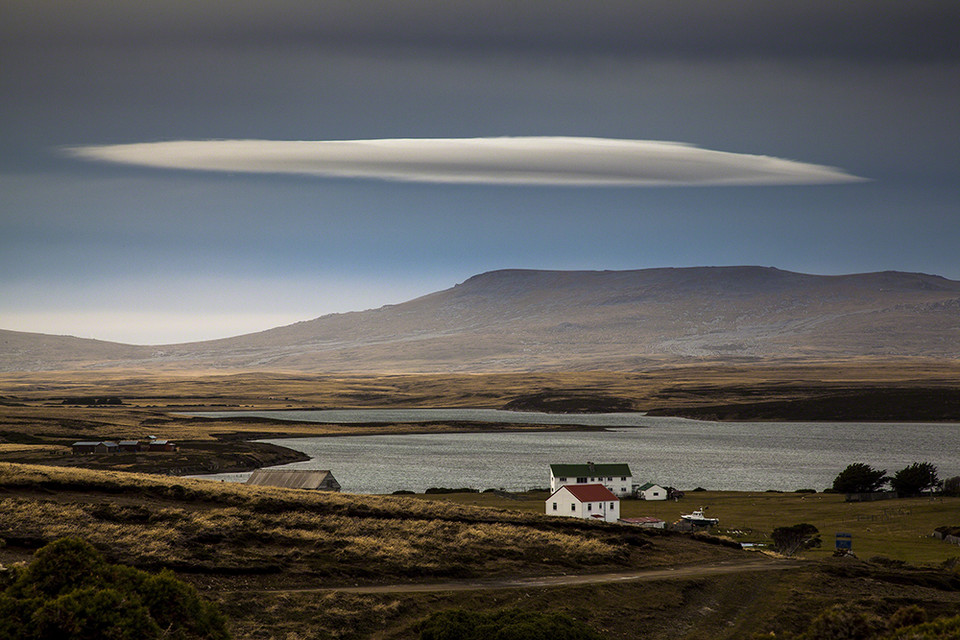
645 575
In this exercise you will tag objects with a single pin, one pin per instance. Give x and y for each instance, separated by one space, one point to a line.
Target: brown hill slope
528 320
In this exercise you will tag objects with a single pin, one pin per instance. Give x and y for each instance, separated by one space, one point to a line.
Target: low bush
512 624
70 592
843 623
789 540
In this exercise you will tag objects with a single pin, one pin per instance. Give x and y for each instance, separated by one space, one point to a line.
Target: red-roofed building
586 501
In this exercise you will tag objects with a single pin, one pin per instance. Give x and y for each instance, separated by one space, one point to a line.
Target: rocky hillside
528 320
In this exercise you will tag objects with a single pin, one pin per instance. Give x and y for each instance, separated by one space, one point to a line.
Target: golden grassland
252 549
299 537
652 388
896 529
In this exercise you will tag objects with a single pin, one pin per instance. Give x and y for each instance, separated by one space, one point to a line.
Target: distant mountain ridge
515 320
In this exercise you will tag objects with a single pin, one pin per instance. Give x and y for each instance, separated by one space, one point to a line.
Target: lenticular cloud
518 161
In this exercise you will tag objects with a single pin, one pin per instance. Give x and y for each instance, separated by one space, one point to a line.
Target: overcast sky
118 250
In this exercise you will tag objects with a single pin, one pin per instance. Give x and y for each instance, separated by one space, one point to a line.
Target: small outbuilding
586 501
161 445
85 447
650 491
314 480
129 445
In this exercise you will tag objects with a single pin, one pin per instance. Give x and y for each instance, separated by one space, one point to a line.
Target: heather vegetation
70 592
511 624
848 622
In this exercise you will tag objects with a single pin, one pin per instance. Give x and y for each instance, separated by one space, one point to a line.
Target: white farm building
617 478
586 501
651 491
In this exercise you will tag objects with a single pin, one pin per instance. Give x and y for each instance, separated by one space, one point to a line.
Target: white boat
697 518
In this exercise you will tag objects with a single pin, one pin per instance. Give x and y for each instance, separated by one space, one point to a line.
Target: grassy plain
896 529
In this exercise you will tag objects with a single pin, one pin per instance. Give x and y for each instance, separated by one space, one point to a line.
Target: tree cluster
909 481
70 591
789 540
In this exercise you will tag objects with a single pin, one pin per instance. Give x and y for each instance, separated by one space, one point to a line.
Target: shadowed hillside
516 320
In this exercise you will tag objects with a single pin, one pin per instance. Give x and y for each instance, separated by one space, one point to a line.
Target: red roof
590 492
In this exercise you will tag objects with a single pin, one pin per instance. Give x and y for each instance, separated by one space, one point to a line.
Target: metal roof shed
316 480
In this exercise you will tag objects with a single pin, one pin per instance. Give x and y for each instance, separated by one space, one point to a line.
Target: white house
586 501
650 491
615 477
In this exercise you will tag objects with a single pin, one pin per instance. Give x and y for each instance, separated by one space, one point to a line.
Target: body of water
740 456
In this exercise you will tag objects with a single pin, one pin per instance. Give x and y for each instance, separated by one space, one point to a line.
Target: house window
611 505
623 479
554 506
656 493
623 489
581 480
563 479
573 507
589 506
609 479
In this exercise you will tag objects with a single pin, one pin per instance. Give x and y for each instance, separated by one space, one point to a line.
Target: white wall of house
656 492
564 503
618 486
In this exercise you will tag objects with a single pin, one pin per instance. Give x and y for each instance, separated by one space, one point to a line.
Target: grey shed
314 480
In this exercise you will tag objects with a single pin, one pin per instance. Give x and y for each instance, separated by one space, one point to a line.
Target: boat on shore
698 519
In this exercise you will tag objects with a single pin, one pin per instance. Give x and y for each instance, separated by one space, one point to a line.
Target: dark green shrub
907 616
842 623
789 540
91 614
69 592
939 629
512 624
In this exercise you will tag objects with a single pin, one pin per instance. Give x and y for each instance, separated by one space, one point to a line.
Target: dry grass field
899 530
301 537
273 559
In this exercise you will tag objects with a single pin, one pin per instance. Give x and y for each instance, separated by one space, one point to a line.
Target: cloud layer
515 161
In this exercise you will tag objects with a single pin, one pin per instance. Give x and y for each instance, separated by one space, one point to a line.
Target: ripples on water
737 456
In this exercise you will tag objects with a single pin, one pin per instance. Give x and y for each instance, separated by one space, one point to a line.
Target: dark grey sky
119 252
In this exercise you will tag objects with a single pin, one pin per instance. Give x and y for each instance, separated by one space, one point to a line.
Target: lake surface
741 456
493 416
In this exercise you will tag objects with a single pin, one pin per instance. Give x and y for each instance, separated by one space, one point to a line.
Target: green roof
589 470
647 485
